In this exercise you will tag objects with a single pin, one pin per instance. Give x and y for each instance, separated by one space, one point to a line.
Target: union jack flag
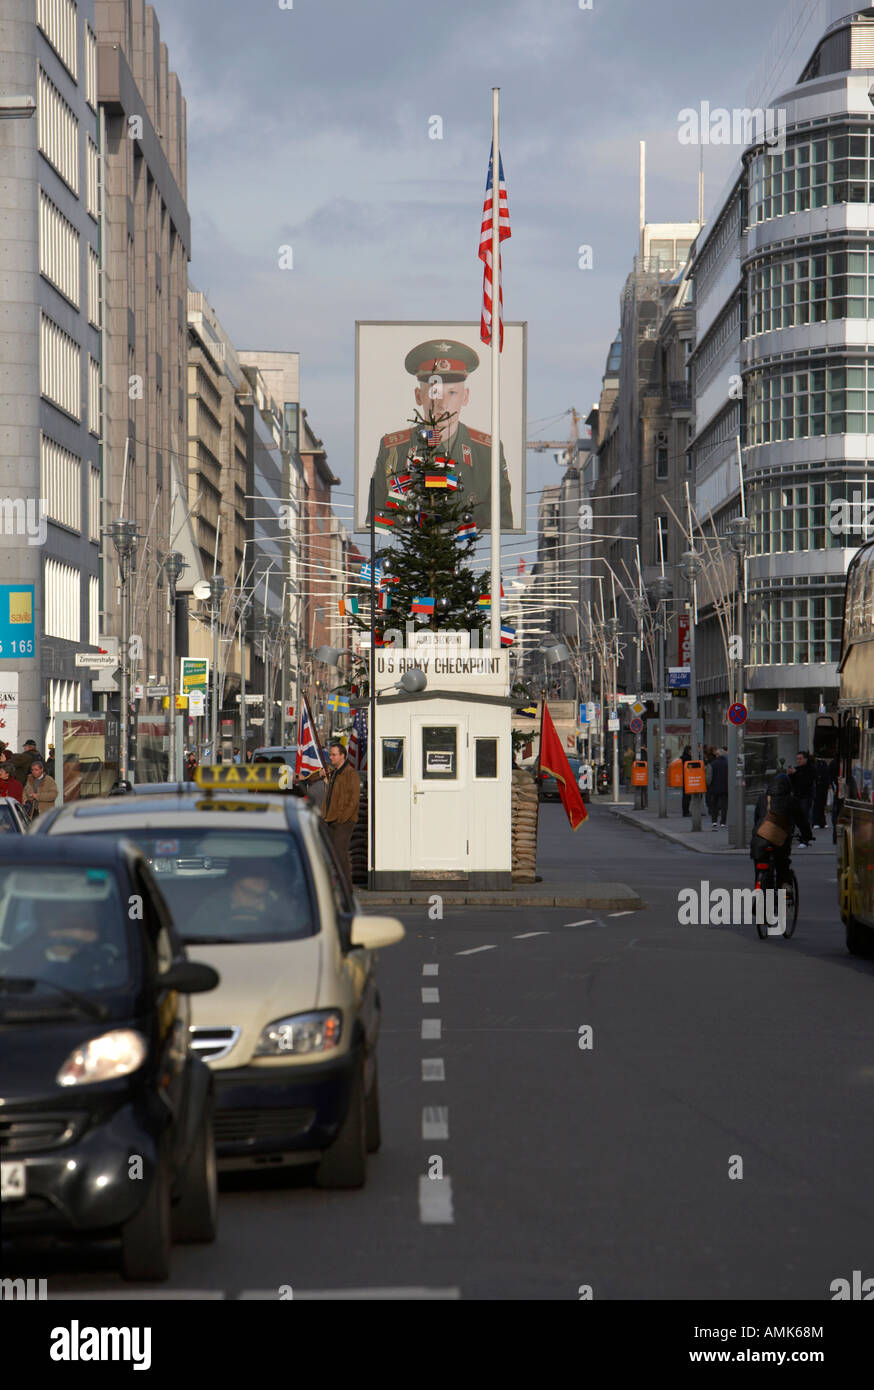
309 752
485 252
357 750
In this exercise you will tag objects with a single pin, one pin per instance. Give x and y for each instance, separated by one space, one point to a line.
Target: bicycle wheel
791 887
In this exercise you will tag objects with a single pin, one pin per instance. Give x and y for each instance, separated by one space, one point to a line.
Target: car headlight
104 1059
316 1032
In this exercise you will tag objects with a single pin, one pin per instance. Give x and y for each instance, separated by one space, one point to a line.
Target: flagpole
495 611
371 733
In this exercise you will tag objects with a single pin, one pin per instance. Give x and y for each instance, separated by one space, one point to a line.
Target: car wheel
372 1126
195 1215
344 1163
860 939
146 1239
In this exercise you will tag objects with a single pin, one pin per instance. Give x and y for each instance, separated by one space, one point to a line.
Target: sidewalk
552 891
678 828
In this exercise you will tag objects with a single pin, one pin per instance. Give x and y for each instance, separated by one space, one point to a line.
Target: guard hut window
486 757
392 757
439 753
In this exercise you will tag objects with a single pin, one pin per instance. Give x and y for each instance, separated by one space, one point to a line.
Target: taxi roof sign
268 777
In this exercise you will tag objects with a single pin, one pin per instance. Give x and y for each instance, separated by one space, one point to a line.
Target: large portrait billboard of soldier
444 370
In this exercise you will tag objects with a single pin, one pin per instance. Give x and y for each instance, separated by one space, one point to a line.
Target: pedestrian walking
821 784
685 757
719 789
40 790
9 786
803 776
340 811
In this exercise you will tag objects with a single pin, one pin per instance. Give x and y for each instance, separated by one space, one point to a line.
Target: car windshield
230 885
7 819
63 926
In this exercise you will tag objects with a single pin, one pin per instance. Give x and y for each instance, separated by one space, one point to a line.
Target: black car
547 785
106 1115
13 821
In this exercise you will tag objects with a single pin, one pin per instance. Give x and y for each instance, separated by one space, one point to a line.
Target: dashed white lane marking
430 969
433 1069
627 913
431 1028
435 1201
587 923
524 935
435 1122
145 1293
430 996
400 1293
474 949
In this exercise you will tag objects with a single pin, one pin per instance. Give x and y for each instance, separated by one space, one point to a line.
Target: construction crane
569 447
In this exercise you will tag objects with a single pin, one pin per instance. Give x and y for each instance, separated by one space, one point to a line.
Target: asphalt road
608 1165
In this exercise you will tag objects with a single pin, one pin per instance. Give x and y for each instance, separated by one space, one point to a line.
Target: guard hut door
440 797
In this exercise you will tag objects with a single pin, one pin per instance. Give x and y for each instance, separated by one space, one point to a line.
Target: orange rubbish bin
695 779
675 773
639 774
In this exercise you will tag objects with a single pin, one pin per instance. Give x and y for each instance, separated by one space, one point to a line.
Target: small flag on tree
508 635
467 531
384 600
348 607
339 704
435 480
384 524
452 482
365 572
399 483
485 600
422 605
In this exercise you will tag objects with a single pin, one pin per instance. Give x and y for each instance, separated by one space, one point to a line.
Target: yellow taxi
256 891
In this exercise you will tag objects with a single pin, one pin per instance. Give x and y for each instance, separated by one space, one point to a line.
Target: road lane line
271 1295
430 969
474 949
524 935
627 913
435 1201
587 923
433 1069
430 996
431 1029
435 1122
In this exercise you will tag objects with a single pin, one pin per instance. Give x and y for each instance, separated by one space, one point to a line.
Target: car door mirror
189 977
371 933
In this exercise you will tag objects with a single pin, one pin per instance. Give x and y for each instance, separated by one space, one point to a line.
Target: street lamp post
174 563
216 591
740 531
124 538
692 564
641 608
614 661
661 591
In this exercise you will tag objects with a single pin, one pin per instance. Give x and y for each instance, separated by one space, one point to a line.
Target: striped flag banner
485 252
435 480
467 531
348 607
384 524
357 749
338 704
485 600
400 483
364 572
452 482
383 600
422 605
508 635
309 752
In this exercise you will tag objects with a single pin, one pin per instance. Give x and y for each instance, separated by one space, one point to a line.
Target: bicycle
766 881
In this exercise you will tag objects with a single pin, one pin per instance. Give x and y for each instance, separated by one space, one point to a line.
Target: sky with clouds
309 126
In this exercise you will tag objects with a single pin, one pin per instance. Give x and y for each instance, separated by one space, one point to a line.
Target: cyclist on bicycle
778 813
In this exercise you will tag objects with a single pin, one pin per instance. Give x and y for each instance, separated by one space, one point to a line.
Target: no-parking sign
737 714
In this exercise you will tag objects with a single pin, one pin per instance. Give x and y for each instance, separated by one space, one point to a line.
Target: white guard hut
442 771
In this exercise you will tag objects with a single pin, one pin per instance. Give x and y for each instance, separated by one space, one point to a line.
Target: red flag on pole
553 759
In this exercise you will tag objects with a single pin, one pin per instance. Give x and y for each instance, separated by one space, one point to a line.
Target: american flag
309 753
485 252
357 750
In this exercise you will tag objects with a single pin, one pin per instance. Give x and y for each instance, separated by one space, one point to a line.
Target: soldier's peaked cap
441 357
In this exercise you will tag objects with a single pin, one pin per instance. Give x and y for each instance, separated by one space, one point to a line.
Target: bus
855 825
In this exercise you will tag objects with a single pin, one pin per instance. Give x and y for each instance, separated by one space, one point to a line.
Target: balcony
680 393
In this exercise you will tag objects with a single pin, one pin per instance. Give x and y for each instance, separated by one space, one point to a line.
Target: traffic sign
157 692
196 702
613 724
638 707
636 725
737 714
100 661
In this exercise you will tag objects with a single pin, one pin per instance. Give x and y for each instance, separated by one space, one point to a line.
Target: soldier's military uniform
471 449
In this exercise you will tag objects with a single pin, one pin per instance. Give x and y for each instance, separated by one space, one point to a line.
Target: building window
661 462
90 67
813 172
817 288
808 403
94 504
791 631
93 287
486 760
60 484
94 396
59 367
63 697
93 611
62 601
92 188
58 249
392 757
57 19
58 132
